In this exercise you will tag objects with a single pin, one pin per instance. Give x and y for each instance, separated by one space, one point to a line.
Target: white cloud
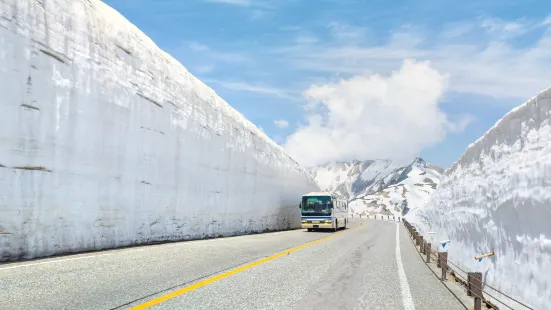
233 58
373 116
306 39
281 123
396 114
482 64
242 86
204 69
455 30
461 123
345 31
501 29
198 47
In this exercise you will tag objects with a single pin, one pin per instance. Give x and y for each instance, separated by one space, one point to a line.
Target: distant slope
379 186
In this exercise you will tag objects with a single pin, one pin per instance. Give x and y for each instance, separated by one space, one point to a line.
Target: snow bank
106 141
497 197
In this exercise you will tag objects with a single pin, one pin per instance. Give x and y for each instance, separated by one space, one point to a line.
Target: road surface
362 267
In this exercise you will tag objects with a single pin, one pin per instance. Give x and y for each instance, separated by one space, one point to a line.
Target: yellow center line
221 276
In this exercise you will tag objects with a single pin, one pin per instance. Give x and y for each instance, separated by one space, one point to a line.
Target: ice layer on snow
107 141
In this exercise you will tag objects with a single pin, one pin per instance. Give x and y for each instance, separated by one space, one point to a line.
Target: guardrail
381 217
472 281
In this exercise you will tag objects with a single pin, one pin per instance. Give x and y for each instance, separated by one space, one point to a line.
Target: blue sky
337 72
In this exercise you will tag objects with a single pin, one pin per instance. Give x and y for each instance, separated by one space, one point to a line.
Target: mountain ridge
379 186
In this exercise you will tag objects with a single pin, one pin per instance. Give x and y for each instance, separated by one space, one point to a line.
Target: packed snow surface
497 197
106 141
379 186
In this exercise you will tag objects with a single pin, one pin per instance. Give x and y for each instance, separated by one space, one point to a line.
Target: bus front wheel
336 225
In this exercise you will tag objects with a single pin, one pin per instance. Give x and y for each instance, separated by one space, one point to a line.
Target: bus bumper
317 225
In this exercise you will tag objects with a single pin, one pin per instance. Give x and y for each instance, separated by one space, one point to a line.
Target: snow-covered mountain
497 197
379 186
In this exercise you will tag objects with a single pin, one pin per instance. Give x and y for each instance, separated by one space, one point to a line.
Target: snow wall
497 197
106 141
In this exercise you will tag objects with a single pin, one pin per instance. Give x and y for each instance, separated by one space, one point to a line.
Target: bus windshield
316 205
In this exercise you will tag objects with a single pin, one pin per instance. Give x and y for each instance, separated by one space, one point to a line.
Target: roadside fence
472 281
381 217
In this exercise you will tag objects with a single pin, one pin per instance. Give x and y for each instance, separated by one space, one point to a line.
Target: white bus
321 210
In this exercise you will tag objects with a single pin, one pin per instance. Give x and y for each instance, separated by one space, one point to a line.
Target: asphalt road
358 268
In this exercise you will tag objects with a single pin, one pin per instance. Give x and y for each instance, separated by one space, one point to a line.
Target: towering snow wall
106 141
497 197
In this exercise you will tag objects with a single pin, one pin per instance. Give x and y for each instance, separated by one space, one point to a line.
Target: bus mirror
300 205
331 205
